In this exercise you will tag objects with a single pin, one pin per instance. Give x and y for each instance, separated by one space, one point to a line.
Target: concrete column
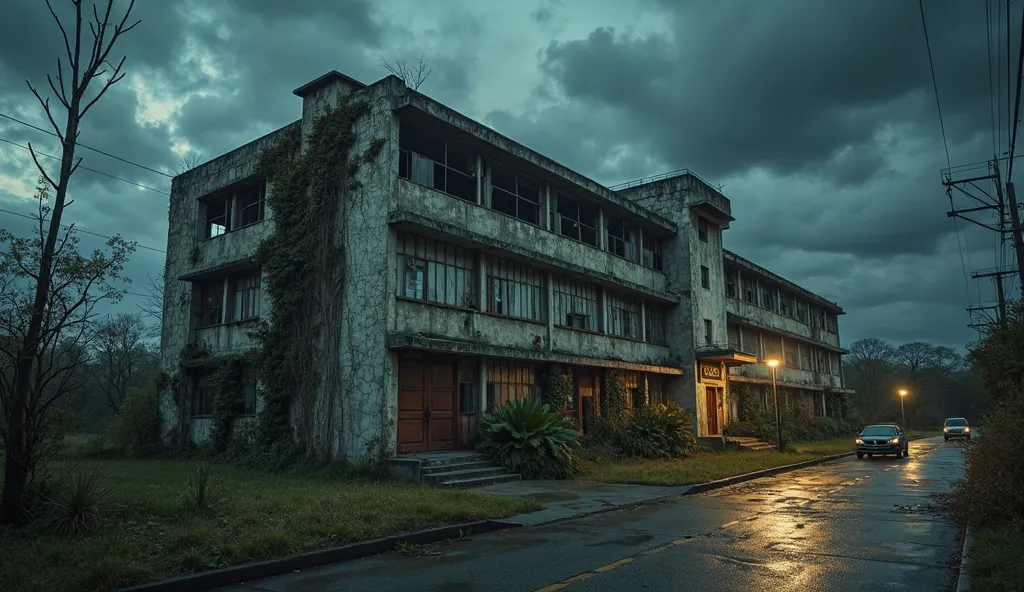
602 307
545 206
640 245
549 307
602 240
479 179
225 300
482 386
643 321
481 282
824 400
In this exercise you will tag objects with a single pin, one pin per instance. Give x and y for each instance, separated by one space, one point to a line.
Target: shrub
558 388
527 438
993 492
137 427
76 507
205 491
659 431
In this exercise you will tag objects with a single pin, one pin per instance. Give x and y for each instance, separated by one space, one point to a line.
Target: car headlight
894 441
967 429
945 429
859 441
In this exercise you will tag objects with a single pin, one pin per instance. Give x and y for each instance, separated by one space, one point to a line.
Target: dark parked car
956 427
882 439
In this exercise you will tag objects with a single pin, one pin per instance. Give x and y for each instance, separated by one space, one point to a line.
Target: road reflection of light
788 532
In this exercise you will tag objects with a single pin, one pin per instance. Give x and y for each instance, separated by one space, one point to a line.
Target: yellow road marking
657 550
612 566
728 524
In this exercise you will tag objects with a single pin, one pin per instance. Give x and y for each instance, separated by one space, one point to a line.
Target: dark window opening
514 194
575 304
702 229
251 204
467 397
651 253
218 217
203 393
211 303
730 283
246 300
577 220
622 239
516 290
655 320
708 335
705 277
434 271
432 161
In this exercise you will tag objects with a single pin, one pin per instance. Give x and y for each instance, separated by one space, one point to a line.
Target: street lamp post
903 411
775 396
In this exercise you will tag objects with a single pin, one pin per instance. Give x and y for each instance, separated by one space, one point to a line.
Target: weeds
77 507
205 491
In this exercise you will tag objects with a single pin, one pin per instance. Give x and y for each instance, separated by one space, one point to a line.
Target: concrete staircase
452 469
747 443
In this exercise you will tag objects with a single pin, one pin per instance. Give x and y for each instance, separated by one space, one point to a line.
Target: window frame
516 280
565 223
448 166
624 316
655 260
709 332
655 324
428 256
518 196
623 235
568 295
703 230
705 277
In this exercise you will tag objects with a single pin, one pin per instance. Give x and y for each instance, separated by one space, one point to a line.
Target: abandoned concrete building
474 267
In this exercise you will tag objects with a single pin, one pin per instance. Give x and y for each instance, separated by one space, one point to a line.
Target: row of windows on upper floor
792 353
778 300
437 272
447 166
441 273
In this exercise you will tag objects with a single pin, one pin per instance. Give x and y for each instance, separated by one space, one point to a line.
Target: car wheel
899 453
871 456
946 438
860 455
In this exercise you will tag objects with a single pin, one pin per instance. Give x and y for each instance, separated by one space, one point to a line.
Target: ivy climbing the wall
302 265
227 376
557 394
614 405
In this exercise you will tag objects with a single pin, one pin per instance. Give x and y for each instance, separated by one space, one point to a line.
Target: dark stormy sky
817 118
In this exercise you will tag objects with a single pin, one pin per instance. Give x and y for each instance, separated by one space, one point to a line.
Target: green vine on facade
614 397
557 392
180 386
306 192
227 380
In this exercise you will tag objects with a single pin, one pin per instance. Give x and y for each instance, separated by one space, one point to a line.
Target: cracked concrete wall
188 254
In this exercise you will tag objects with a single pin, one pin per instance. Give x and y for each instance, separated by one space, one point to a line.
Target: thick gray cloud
817 118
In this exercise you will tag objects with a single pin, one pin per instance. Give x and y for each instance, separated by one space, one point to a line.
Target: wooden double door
427 398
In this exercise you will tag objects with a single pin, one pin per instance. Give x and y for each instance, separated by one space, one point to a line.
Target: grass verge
149 532
995 560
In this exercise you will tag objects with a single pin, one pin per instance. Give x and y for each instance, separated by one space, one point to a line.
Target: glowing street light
773 364
903 412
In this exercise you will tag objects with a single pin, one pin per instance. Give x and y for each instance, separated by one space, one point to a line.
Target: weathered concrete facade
472 267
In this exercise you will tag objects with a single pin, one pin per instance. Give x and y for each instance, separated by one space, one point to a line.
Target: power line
125 160
79 230
140 185
1016 102
935 85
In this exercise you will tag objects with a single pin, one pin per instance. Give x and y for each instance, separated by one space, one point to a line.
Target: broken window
731 275
805 357
623 316
833 363
211 302
651 253
577 220
789 354
433 161
734 336
801 311
786 304
515 290
622 239
245 303
508 380
434 271
749 290
702 229
655 321
705 277
822 357
217 212
514 194
575 304
708 333
251 204
203 392
767 297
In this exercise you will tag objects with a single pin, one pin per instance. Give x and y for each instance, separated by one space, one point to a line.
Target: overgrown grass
840 445
150 531
700 467
995 560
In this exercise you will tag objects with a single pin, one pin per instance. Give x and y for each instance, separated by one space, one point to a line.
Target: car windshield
959 421
879 431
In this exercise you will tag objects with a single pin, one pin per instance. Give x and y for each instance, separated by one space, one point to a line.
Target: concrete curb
712 485
963 580
263 569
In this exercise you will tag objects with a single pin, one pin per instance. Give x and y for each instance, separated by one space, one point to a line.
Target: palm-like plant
526 437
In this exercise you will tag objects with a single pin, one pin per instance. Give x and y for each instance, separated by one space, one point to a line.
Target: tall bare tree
87 61
121 354
413 75
189 161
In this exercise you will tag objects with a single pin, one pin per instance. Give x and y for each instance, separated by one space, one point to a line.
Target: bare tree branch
413 76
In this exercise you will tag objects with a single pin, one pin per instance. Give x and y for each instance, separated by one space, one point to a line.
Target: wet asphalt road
847 525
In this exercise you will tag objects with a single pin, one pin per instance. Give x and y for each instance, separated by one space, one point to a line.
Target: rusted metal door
426 405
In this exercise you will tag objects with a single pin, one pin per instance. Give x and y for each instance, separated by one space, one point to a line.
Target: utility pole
1018 244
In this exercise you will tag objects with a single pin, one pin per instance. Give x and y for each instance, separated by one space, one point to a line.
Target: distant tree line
939 382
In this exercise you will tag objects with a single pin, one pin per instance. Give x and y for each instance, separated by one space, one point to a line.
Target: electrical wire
96 150
84 168
36 218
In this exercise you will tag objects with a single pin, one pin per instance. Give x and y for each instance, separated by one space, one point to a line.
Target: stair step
481 481
761 446
741 439
452 460
464 474
462 466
